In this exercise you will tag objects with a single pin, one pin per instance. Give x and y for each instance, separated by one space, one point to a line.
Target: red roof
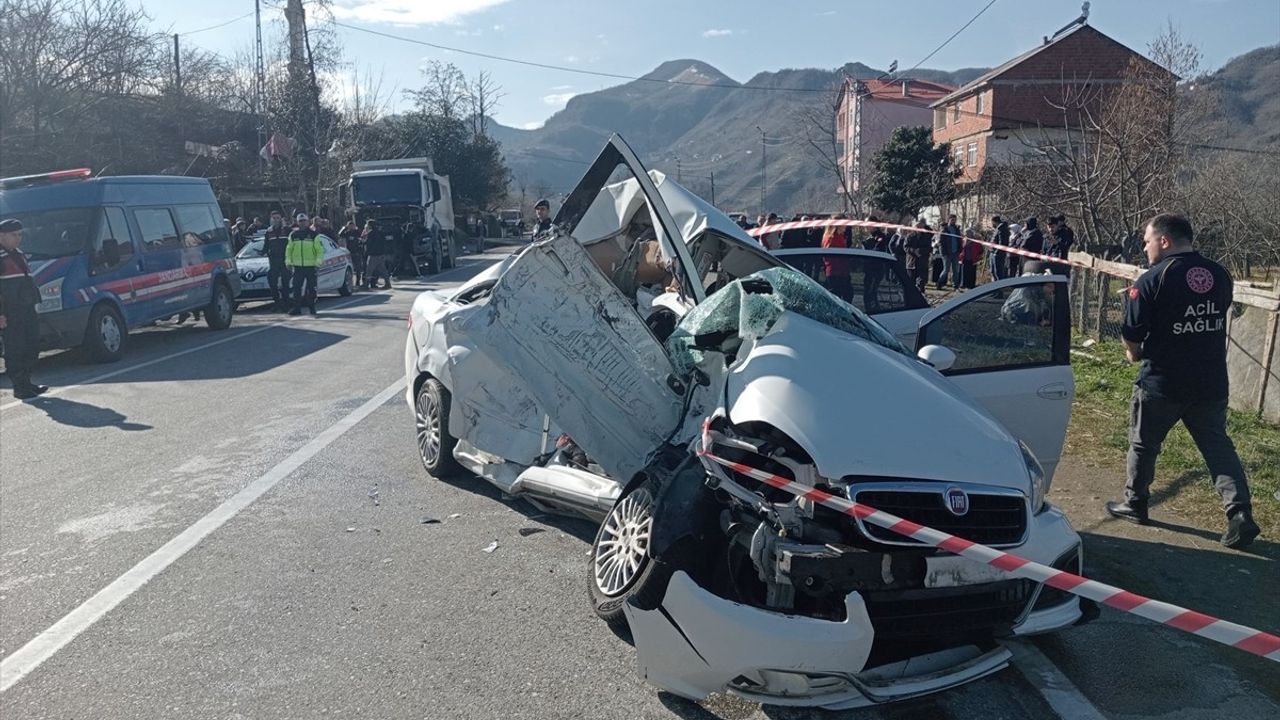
918 91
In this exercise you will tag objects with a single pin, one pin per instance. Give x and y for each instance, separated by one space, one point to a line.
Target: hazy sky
740 38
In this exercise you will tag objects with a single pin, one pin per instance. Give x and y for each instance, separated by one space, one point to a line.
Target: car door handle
140 265
1053 391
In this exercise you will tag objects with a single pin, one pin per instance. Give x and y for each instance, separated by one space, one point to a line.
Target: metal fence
1097 311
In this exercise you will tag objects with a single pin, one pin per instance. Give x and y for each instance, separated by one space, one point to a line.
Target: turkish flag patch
1133 293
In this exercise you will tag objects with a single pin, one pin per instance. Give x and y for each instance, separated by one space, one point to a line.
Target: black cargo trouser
304 277
278 278
1151 417
21 345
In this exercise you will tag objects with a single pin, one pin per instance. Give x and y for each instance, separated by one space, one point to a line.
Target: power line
579 71
221 24
953 36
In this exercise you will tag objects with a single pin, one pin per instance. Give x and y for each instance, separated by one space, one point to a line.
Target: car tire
621 567
104 339
222 308
431 422
347 283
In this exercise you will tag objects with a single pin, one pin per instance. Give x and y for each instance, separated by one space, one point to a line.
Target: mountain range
688 119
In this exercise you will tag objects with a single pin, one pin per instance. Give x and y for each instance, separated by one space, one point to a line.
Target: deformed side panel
568 339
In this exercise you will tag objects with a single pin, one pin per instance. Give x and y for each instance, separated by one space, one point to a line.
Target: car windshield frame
36 243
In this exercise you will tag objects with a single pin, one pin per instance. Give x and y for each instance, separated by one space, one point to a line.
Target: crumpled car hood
860 409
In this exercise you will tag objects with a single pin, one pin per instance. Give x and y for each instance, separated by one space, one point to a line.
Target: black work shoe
1241 530
1133 512
30 391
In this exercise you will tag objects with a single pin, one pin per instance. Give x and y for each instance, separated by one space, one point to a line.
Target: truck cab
408 199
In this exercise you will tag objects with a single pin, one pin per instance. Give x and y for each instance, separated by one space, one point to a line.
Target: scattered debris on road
428 520
527 531
491 546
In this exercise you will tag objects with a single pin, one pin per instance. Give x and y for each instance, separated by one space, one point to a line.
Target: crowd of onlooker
947 255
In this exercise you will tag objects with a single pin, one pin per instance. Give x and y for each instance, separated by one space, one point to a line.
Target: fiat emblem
957 501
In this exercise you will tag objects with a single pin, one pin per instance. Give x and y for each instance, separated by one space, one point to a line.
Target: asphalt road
229 525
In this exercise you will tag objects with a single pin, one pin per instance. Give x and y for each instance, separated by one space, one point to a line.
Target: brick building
1001 114
869 111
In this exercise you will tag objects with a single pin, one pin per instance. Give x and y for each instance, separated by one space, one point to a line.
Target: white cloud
714 33
409 12
827 13
558 100
498 28
571 58
562 87
533 125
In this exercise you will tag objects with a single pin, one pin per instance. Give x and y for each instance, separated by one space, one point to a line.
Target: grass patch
1099 432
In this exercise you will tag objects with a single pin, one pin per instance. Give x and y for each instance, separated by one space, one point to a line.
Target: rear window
56 233
871 284
157 228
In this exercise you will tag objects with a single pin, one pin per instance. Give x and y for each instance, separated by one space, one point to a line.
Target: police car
335 275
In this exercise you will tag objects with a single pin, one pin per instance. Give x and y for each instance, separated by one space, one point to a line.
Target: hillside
708 130
1246 107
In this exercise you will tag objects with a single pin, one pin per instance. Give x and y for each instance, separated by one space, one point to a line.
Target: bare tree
484 94
818 122
1116 156
61 57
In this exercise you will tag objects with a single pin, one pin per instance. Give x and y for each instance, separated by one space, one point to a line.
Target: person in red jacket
836 268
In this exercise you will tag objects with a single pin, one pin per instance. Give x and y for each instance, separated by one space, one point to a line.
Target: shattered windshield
749 307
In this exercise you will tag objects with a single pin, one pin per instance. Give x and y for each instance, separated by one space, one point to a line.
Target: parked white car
335 275
647 313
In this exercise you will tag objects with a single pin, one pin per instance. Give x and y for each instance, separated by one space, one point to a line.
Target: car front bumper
694 643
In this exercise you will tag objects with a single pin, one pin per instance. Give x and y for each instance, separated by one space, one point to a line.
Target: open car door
1012 342
556 330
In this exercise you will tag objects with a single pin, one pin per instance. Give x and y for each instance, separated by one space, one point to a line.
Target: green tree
911 172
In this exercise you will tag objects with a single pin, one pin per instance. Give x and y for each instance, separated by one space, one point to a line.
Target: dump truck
412 205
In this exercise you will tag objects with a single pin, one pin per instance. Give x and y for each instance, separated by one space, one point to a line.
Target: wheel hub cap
427 421
623 547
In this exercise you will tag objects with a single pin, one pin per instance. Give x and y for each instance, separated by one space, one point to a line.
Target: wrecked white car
579 374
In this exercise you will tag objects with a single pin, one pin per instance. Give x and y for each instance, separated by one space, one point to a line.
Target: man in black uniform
542 211
273 246
1176 324
18 320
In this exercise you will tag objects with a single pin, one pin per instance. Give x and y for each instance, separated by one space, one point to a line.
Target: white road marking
43 646
1061 694
60 389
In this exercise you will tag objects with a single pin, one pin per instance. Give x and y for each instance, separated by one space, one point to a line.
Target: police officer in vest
1176 324
18 320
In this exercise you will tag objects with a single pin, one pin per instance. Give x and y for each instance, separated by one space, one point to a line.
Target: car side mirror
941 358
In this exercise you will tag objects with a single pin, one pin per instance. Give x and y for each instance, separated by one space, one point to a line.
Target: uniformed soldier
542 210
18 320
1176 324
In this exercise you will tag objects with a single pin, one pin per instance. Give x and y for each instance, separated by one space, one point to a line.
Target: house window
955 113
973 154
982 103
959 156
939 118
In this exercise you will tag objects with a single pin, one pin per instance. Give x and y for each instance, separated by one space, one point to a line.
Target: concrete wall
1248 362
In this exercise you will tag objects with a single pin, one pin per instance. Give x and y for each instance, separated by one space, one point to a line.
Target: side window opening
1003 329
157 228
112 246
871 285
200 226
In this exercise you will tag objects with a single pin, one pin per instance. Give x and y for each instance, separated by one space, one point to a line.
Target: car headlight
50 296
1039 484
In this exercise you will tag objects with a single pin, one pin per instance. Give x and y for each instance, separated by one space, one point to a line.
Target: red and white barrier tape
1238 636
803 224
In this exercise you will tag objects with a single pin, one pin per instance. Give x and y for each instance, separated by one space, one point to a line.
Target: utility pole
177 65
679 176
259 80
763 165
713 188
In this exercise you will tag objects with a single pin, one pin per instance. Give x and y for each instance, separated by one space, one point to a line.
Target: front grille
935 614
992 519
